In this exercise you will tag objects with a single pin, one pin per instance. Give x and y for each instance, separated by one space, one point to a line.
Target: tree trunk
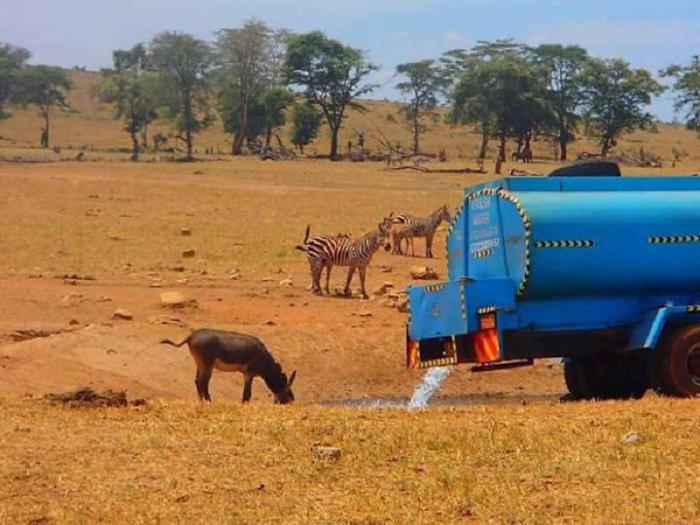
188 138
301 148
240 136
334 143
135 146
145 137
605 148
46 133
562 149
502 149
484 144
416 133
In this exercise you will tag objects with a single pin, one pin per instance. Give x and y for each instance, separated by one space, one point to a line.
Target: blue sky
649 34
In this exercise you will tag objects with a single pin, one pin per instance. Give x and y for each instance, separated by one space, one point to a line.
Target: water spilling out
432 381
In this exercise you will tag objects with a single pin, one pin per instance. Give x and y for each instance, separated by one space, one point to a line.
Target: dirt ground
81 241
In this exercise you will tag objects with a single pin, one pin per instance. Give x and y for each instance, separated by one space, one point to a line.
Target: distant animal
234 352
324 251
524 155
425 226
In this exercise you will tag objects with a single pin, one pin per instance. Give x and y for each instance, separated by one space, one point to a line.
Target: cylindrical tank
575 243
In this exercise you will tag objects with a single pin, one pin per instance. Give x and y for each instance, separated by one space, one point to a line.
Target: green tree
425 81
274 102
249 61
504 95
132 90
306 120
614 99
12 60
687 90
563 65
45 87
332 74
183 63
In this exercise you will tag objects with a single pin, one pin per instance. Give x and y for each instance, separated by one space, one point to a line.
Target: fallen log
423 169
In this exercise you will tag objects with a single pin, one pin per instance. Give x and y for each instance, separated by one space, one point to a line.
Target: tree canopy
687 91
332 75
614 99
183 63
45 87
423 84
132 89
12 60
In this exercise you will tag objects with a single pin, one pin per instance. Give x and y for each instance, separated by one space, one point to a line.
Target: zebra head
444 214
384 232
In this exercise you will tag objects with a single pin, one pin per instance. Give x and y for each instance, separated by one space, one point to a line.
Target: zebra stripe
673 239
565 244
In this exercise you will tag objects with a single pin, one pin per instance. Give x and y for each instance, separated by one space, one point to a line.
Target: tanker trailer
603 271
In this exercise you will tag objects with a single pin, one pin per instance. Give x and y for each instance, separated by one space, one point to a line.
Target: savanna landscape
92 241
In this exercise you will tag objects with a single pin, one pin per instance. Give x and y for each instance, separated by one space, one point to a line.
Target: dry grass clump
183 462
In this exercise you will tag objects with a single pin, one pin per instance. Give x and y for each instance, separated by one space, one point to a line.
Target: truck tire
676 363
577 379
608 376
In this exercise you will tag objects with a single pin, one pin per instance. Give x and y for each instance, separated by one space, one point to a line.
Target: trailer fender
647 332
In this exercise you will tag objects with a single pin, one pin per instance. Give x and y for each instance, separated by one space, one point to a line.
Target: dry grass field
82 239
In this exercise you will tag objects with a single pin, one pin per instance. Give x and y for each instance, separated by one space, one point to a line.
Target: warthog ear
291 379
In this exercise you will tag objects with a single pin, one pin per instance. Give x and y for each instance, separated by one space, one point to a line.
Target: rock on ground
423 272
176 300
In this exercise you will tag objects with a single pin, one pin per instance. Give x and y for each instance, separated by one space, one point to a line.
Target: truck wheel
676 364
607 376
577 378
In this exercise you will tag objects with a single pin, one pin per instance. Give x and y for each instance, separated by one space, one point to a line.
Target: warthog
234 352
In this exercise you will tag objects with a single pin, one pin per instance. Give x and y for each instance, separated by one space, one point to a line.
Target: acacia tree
183 63
332 75
249 61
687 90
306 120
503 94
12 60
45 87
563 65
132 90
614 98
424 82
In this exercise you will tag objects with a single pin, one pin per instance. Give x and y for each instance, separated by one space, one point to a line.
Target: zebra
399 231
325 251
421 227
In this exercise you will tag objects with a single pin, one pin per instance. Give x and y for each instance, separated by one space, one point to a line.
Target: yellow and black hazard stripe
435 287
482 254
573 243
485 310
441 361
672 239
692 308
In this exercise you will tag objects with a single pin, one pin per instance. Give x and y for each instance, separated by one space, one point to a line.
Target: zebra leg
328 277
409 240
316 271
363 271
351 271
429 246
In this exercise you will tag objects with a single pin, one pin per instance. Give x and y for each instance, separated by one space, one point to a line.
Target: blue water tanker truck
601 270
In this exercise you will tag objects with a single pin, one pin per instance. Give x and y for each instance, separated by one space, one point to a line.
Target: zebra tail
302 247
